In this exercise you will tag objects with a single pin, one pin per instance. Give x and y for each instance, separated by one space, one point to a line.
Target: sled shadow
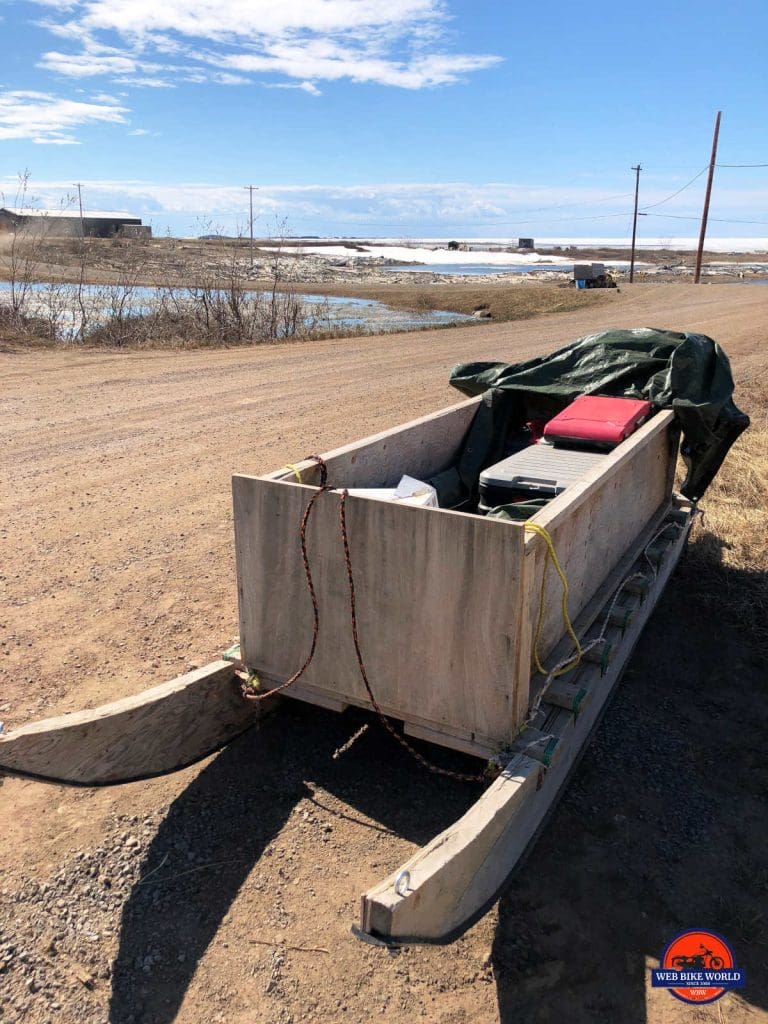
662 828
227 818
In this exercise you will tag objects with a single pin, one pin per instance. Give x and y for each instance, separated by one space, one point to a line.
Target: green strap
549 750
577 702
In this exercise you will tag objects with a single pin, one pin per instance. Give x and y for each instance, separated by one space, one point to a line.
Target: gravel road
226 892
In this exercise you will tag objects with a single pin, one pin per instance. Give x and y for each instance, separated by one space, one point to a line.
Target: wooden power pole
634 224
707 196
250 220
78 185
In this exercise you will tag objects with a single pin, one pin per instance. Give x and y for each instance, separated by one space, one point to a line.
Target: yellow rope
295 470
551 554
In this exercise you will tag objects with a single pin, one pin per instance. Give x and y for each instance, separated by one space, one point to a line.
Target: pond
59 303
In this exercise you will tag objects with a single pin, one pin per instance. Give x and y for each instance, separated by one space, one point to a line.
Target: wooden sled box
447 601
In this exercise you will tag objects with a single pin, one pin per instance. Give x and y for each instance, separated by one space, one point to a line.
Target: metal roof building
65 223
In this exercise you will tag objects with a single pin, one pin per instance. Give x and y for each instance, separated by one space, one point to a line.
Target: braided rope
250 694
248 690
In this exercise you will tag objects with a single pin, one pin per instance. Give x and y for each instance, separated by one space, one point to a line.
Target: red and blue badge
697 967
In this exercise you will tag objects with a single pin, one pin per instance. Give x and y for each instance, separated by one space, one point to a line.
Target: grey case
540 471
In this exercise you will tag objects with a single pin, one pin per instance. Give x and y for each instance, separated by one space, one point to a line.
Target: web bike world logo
697 967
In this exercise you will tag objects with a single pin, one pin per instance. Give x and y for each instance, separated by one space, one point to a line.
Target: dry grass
728 558
502 301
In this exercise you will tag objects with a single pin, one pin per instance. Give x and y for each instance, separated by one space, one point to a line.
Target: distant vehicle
592 275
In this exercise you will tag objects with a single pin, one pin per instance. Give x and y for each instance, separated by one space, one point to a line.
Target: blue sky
401 118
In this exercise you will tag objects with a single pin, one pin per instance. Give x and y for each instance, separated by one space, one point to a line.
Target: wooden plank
594 522
440 885
156 731
459 875
421 448
537 744
312 695
522 690
568 694
447 738
430 627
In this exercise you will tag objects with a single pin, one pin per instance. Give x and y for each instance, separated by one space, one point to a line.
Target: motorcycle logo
697 967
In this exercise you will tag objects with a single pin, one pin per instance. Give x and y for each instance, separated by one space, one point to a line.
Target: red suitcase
597 421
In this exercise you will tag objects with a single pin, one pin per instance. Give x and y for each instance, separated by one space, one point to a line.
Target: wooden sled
447 604
452 881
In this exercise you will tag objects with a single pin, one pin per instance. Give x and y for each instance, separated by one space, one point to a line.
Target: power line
741 165
479 223
501 223
715 220
687 185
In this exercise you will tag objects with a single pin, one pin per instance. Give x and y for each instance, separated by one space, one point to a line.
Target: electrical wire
662 201
494 223
711 220
741 165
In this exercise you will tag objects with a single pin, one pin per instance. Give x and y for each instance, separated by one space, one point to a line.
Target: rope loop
323 468
559 670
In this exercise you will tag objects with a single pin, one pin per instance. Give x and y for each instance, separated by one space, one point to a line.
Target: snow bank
405 254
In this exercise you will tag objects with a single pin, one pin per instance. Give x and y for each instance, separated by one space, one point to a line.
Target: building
66 223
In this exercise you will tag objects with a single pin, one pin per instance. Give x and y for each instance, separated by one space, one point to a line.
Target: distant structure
67 223
525 243
135 231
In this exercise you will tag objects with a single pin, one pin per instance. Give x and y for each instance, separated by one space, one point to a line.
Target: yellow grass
502 301
728 557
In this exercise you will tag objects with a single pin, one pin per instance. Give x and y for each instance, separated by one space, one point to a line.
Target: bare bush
219 309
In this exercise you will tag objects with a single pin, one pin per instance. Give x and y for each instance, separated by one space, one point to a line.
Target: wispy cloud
308 87
399 43
394 209
50 120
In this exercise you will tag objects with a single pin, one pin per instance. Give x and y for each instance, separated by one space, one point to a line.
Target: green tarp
688 373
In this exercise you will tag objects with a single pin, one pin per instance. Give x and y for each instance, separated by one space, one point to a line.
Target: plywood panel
593 523
439 602
421 448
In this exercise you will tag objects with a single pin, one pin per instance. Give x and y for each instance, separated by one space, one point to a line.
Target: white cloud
308 87
398 43
403 210
327 61
49 119
250 19
92 65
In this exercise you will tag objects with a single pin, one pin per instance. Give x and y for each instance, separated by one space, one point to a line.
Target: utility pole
78 186
705 212
634 224
250 196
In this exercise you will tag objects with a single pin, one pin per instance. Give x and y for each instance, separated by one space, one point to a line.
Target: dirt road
117 573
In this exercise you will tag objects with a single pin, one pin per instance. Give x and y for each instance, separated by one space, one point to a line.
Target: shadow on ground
661 829
232 811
